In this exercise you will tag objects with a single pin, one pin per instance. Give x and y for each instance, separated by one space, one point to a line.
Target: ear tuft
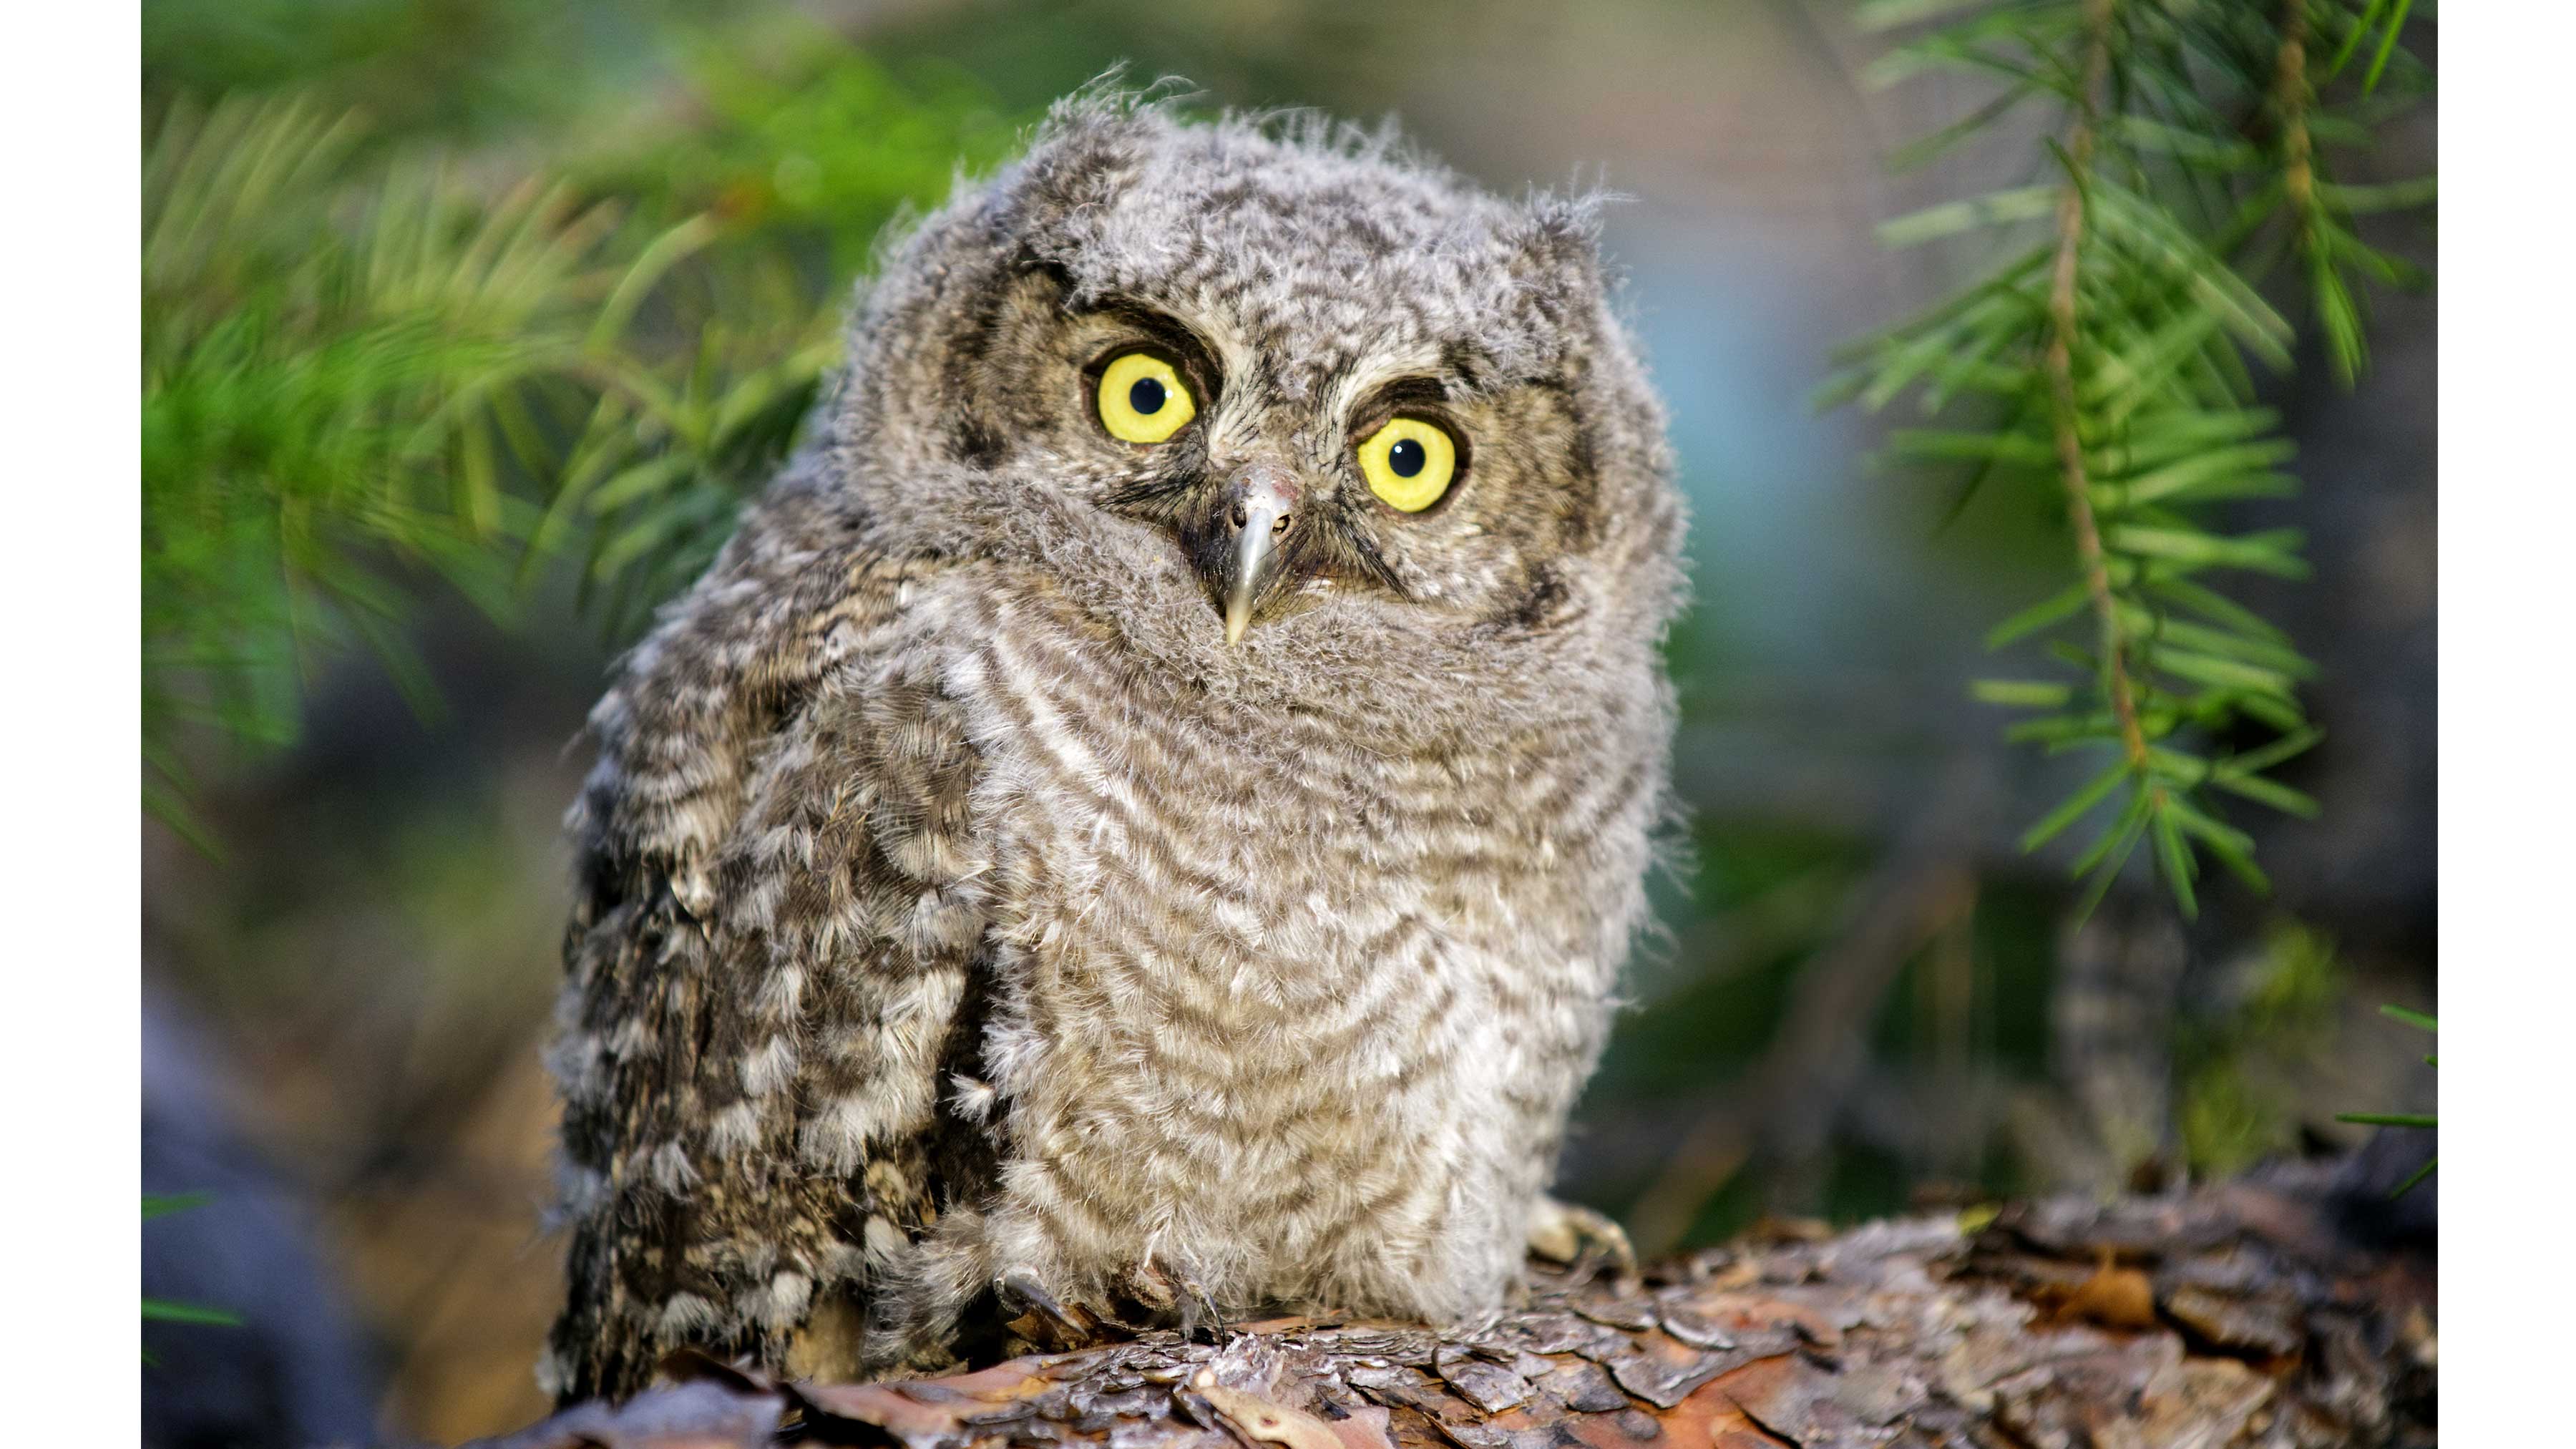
1092 139
1562 239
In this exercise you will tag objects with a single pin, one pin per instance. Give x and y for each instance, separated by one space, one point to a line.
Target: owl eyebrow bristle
1411 390
1366 559
1152 490
1161 329
1450 387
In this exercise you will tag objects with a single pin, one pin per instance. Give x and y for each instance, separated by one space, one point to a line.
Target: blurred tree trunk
2251 1314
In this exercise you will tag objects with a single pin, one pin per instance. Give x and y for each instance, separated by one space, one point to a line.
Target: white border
72 724
2507 804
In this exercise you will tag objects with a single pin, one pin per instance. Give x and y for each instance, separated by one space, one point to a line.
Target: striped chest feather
1294 1007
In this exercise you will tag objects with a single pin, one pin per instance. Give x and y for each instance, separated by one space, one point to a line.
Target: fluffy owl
1144 820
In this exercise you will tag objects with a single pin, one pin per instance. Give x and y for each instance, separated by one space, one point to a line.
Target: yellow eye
1142 400
1409 463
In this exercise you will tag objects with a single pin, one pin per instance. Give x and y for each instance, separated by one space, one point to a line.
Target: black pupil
1406 458
1146 396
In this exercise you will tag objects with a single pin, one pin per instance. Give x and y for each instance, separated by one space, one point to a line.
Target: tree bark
2256 1313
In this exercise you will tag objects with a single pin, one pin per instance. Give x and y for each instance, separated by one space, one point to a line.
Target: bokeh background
1866 999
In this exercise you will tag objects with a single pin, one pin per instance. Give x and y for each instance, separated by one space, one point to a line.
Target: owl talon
1177 1298
1035 1314
1583 1240
1199 1311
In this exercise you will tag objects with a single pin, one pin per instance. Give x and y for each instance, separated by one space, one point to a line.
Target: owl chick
1144 819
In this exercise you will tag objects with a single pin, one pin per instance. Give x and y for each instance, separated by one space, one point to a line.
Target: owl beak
1260 509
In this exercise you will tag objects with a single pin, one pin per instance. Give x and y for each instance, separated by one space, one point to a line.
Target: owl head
1268 395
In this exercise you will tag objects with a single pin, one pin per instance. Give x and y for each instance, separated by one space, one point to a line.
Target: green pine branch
367 372
167 1310
2428 1120
2109 357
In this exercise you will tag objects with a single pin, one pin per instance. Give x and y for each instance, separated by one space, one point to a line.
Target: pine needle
2115 369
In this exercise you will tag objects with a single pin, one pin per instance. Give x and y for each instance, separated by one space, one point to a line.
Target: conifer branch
2060 362
2108 357
2291 95
359 371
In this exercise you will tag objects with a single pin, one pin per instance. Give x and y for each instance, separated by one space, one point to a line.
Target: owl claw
1583 1240
1198 1311
1036 1315
1177 1298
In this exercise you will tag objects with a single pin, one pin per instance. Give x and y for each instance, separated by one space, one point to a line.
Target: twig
2058 1316
2059 362
2292 95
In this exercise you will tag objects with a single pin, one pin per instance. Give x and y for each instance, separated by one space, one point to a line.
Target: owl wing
776 922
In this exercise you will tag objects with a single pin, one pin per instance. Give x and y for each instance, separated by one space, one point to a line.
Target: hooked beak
1260 509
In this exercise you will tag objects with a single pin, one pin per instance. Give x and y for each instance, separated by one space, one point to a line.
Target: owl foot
1053 1327
1199 1312
1584 1240
1178 1297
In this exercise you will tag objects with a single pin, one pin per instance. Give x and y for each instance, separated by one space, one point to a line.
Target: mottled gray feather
955 902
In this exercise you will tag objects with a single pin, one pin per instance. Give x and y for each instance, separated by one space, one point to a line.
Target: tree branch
2059 362
2291 94
2242 1315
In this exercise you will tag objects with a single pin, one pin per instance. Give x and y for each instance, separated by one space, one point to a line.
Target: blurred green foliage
484 72
322 353
794 137
2232 1107
371 362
